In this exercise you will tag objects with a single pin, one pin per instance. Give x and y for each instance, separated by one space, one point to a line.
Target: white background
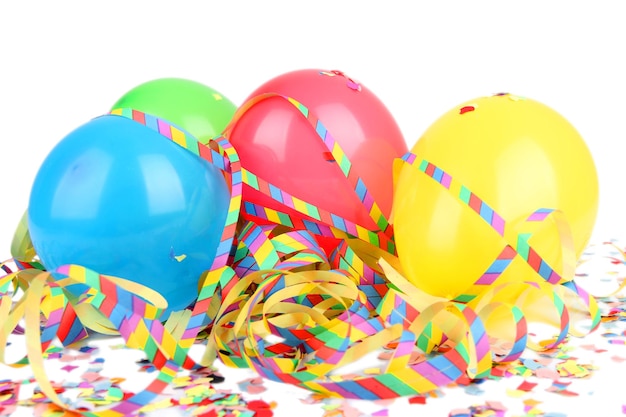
64 62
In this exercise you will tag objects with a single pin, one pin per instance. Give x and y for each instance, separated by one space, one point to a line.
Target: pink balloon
277 143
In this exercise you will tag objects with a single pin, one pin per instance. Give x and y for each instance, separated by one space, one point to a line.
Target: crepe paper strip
272 284
34 343
515 238
291 250
341 160
532 300
523 303
317 221
21 245
11 315
431 336
517 323
319 354
422 377
571 292
259 245
295 242
318 215
28 309
340 291
220 153
121 309
318 310
361 260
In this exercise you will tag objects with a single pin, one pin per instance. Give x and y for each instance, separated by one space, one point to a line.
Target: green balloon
190 105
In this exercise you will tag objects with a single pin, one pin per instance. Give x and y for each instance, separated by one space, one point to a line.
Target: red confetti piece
418 399
260 408
466 109
526 386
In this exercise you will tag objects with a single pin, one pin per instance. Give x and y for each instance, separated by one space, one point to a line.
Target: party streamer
273 300
517 241
323 219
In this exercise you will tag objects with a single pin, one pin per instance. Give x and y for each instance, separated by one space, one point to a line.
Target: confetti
466 109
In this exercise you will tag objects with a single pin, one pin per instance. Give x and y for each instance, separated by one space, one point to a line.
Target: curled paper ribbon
273 301
76 299
516 240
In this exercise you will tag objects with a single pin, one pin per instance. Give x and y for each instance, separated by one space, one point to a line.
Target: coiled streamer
275 302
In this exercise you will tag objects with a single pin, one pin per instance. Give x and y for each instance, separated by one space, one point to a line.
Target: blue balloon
118 198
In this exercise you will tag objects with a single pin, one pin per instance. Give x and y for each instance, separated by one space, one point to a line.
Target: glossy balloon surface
516 155
277 143
196 108
119 198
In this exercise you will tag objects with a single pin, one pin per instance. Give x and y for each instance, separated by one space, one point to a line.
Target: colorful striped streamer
518 244
273 301
320 334
315 214
111 302
516 239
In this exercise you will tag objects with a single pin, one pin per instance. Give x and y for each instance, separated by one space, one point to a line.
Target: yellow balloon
501 189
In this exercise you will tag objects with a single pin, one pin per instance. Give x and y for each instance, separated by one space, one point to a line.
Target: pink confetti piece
496 405
547 374
91 376
69 368
255 389
460 412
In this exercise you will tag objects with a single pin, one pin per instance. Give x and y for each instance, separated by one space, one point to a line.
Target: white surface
64 62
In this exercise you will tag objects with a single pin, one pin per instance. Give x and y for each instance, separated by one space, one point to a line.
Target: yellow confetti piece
515 393
156 405
199 391
531 402
572 368
181 381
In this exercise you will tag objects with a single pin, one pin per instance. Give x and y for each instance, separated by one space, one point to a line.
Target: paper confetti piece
526 386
